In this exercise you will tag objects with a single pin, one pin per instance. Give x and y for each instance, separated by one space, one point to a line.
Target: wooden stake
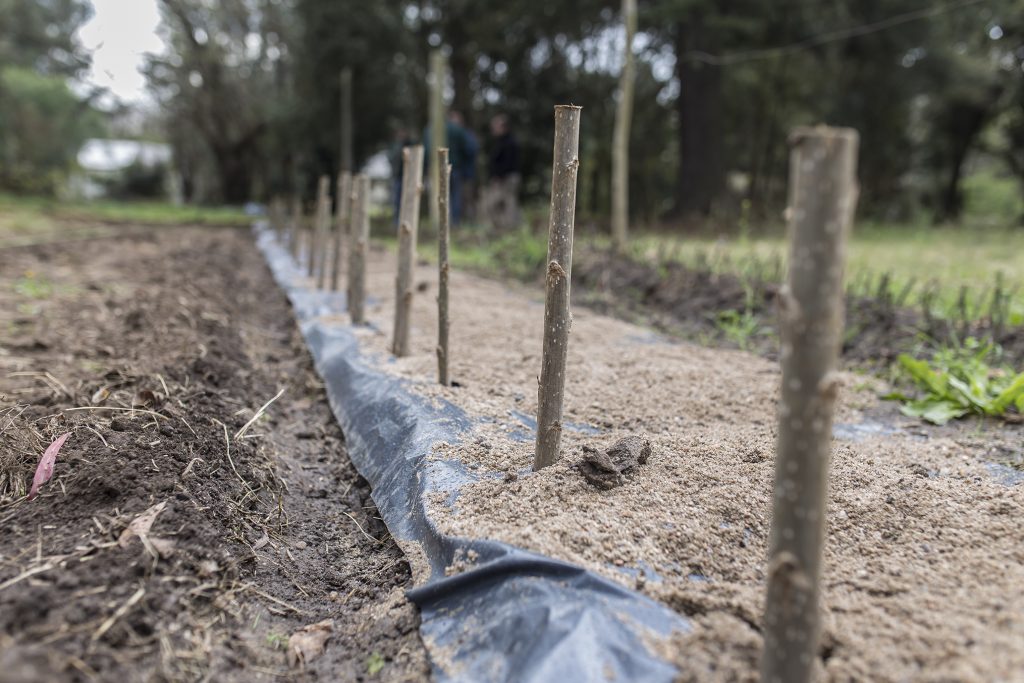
437 128
408 224
275 217
620 141
295 227
443 191
360 230
557 318
823 194
318 235
342 226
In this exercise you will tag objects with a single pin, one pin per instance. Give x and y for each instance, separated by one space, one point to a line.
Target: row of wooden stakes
320 245
823 194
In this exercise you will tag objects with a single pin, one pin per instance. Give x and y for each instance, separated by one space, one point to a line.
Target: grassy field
24 220
915 257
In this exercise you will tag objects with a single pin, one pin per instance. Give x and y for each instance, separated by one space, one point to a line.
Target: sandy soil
924 573
171 339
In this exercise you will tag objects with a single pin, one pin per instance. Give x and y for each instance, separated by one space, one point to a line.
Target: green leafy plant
959 382
739 328
33 286
374 664
277 641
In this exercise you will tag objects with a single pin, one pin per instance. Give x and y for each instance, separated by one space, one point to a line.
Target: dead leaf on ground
308 643
46 463
140 527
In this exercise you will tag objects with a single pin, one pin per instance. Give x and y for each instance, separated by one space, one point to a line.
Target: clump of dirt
155 351
606 469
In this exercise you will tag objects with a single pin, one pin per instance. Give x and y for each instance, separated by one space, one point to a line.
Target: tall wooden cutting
557 319
823 194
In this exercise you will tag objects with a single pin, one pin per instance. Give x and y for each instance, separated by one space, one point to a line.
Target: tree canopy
250 90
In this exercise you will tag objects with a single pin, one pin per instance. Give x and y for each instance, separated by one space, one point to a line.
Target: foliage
42 126
932 89
960 381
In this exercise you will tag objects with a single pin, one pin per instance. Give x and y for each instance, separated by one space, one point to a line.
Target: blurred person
502 196
461 156
469 184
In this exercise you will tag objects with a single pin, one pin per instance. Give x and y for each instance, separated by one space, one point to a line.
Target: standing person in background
469 190
502 198
461 156
401 141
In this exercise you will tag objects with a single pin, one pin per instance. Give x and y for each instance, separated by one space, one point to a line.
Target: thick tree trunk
963 123
462 71
557 318
620 142
701 175
823 187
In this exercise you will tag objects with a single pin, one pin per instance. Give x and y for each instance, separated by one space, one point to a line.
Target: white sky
118 35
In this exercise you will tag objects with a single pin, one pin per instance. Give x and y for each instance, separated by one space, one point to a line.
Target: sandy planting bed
924 562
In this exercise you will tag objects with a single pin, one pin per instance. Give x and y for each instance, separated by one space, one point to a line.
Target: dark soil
154 350
695 303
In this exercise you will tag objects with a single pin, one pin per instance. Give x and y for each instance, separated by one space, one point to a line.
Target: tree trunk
437 129
620 143
345 161
823 193
557 318
701 176
409 220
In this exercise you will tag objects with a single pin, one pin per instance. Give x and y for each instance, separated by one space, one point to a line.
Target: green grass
29 219
125 211
913 256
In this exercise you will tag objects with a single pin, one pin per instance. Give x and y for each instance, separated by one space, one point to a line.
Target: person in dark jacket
462 157
502 197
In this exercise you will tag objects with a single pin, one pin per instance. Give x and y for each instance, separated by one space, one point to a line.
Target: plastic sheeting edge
514 615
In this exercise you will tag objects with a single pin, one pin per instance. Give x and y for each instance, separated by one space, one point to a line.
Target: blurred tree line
42 122
250 91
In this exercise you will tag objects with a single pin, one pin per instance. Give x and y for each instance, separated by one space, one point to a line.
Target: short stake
342 226
295 227
313 229
320 236
823 194
359 245
408 224
443 215
557 318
